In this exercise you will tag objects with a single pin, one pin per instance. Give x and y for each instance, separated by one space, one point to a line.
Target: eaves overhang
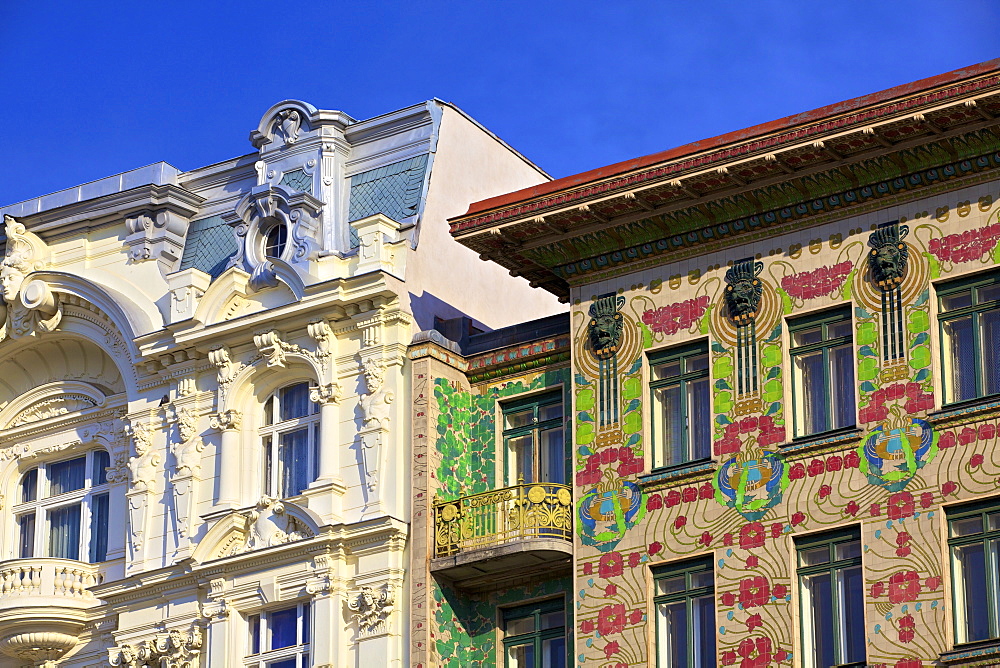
859 155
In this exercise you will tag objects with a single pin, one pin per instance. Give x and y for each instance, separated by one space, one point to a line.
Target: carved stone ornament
39 648
743 290
172 649
187 451
28 308
372 609
887 259
155 235
329 393
287 124
54 407
226 420
268 524
142 467
375 404
605 327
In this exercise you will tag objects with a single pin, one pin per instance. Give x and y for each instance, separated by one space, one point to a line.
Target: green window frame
534 439
684 600
832 598
969 321
680 391
535 635
822 354
973 547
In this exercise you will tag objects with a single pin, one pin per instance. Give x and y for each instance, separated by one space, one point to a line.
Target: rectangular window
279 638
685 615
535 635
533 439
970 328
973 541
832 595
823 372
682 420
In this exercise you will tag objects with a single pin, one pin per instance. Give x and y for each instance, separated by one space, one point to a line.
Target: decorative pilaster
228 423
375 409
143 467
186 474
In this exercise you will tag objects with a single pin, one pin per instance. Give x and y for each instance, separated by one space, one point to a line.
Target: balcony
44 604
510 531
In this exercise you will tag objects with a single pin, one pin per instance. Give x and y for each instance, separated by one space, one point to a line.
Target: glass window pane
254 623
852 613
670 585
553 620
285 663
268 466
667 370
29 486
967 526
99 528
837 330
293 461
64 532
294 401
989 337
26 531
672 422
818 606
517 419
700 418
521 656
67 476
101 461
672 636
988 293
971 594
520 457
269 412
959 359
704 632
554 653
515 627
814 556
702 579
804 337
957 300
550 412
810 381
842 386
553 456
696 363
993 521
305 624
849 550
282 625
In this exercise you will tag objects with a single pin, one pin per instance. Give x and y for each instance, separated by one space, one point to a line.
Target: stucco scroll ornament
288 122
372 609
269 524
28 308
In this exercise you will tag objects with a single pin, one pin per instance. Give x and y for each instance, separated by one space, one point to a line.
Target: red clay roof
736 136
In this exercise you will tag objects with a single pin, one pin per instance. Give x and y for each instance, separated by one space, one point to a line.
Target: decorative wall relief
270 524
743 296
752 482
187 468
142 468
604 333
371 610
375 411
891 457
28 308
173 649
156 235
887 266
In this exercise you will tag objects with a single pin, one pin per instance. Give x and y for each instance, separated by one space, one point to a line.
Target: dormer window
274 240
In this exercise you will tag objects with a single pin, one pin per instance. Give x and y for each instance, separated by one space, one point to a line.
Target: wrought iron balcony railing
489 519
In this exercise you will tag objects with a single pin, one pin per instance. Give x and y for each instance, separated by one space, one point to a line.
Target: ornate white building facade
205 392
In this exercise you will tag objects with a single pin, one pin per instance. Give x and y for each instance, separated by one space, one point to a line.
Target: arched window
274 240
290 437
62 509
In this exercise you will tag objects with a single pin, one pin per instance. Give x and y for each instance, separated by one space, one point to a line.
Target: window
533 439
973 541
823 372
970 328
535 635
279 638
832 594
682 419
685 615
275 240
62 511
290 438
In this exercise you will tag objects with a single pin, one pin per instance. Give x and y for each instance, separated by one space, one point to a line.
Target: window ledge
965 409
679 472
972 652
827 438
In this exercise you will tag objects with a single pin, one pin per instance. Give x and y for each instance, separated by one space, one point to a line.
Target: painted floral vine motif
818 282
966 246
678 317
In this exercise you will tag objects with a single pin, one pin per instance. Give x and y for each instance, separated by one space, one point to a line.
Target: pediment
270 523
50 400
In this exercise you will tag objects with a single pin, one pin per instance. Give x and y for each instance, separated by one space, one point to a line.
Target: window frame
945 289
985 537
300 651
688 596
44 504
831 539
664 356
538 635
270 433
823 319
536 402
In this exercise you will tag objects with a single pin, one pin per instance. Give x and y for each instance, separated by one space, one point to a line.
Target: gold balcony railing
533 510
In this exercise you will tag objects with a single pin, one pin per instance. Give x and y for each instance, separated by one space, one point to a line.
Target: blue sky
92 89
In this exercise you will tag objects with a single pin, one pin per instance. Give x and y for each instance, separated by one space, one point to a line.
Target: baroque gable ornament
269 524
29 308
371 610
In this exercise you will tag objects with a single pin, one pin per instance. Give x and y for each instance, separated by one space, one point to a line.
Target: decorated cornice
684 205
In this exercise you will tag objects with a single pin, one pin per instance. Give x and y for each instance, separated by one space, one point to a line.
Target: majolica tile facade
785 385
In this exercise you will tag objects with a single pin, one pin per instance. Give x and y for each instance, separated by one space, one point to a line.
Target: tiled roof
392 190
210 243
